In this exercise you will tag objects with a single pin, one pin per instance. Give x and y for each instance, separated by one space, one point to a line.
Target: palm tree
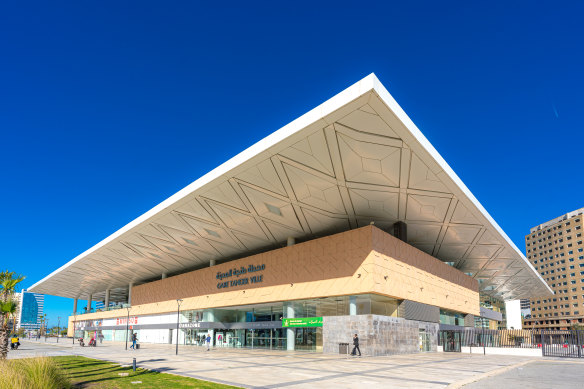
8 282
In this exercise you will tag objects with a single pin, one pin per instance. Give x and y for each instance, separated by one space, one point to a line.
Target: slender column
291 241
130 293
211 262
164 275
400 231
74 305
352 305
107 298
290 332
89 302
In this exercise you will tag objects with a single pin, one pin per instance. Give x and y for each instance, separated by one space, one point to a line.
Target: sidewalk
297 369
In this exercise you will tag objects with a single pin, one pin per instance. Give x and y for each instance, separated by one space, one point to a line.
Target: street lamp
484 345
127 324
178 301
58 327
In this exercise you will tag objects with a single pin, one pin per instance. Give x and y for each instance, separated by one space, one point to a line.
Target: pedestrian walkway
282 369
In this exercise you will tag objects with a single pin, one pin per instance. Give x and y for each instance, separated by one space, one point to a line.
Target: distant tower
556 251
30 310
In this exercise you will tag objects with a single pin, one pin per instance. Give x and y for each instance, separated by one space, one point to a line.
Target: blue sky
108 108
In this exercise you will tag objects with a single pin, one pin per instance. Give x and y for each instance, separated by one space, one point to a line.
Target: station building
345 221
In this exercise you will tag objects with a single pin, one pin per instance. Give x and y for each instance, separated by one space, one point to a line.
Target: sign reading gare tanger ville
239 274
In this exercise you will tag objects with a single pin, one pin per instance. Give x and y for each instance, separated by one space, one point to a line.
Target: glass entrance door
451 341
424 341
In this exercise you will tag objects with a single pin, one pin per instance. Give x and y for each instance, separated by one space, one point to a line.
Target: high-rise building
30 310
556 250
525 308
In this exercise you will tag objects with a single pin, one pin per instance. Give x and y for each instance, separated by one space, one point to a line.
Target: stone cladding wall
378 335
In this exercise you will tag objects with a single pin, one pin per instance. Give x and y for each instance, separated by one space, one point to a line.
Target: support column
164 275
130 293
290 332
211 318
211 262
107 298
74 305
400 231
291 241
352 305
89 303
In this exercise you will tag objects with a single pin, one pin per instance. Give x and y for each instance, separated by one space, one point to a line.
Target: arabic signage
302 322
240 276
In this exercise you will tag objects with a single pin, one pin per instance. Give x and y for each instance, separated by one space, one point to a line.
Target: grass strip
93 373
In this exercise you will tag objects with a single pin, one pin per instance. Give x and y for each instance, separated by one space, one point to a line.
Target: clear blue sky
108 108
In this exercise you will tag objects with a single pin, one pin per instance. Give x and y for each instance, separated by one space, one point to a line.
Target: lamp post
178 301
484 345
127 324
58 327
74 323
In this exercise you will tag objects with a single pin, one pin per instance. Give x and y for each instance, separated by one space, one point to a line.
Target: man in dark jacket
356 345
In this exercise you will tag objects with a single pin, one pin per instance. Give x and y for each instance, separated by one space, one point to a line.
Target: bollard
134 364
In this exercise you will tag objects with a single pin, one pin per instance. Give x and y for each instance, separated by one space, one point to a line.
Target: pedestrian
208 342
356 345
134 339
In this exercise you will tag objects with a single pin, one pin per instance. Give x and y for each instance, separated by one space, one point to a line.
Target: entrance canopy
354 160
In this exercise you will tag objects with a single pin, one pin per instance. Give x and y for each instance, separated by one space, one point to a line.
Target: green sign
302 322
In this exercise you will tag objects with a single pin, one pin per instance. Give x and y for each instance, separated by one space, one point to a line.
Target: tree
8 282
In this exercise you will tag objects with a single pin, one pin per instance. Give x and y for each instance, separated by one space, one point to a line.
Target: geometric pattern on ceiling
362 162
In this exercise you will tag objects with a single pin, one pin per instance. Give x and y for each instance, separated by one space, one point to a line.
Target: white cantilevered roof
354 159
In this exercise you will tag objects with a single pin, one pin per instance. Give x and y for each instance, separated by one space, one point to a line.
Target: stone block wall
378 335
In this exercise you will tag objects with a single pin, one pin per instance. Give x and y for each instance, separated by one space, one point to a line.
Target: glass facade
260 325
449 317
31 309
273 336
496 305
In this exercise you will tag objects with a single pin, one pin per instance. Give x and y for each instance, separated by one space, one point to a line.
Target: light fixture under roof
190 241
212 233
171 249
156 255
273 209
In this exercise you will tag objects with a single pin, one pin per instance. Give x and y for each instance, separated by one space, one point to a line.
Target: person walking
208 342
134 339
356 345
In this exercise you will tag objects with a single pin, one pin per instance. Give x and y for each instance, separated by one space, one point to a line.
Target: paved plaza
281 369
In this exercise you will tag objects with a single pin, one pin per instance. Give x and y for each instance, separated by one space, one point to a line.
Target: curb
460 384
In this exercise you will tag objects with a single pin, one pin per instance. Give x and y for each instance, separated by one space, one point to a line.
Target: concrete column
352 305
400 231
107 298
130 292
291 241
211 262
89 302
290 332
164 275
74 305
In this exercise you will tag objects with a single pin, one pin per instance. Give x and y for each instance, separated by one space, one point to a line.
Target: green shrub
32 373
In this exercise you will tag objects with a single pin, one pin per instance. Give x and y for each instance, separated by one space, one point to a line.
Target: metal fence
478 337
564 343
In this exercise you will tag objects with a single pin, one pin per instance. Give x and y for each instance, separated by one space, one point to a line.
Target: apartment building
556 251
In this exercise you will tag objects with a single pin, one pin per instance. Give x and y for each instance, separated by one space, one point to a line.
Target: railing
93 310
566 344
478 337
